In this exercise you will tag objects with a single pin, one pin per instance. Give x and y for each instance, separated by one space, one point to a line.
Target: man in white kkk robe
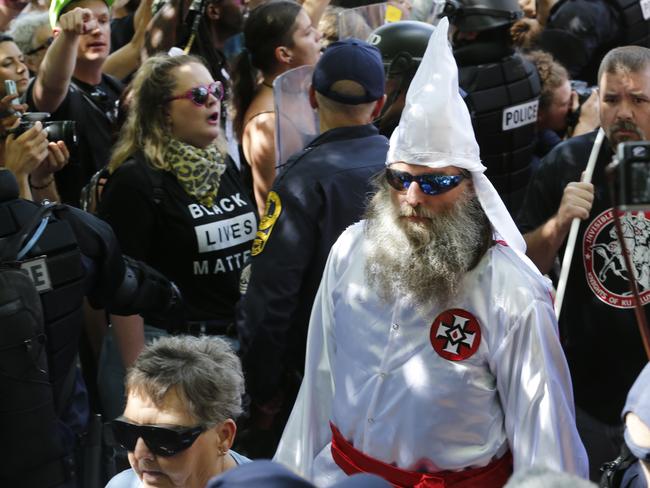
433 353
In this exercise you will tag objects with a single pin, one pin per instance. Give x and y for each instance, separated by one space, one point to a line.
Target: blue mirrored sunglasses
430 183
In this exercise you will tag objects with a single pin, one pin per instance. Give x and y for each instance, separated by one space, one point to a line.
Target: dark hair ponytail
268 26
244 88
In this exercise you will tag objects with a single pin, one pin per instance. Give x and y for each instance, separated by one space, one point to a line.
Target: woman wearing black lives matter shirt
175 201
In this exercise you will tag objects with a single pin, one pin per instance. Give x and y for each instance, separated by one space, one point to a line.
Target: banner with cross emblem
455 334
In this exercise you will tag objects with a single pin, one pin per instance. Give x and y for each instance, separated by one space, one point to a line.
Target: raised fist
78 21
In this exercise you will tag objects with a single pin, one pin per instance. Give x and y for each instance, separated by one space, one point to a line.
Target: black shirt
599 331
201 249
93 108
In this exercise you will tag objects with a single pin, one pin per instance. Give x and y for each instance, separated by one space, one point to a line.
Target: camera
583 90
57 130
632 163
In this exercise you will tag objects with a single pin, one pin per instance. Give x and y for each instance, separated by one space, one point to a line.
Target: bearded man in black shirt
600 337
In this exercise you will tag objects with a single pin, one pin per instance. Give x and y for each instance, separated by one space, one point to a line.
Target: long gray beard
422 262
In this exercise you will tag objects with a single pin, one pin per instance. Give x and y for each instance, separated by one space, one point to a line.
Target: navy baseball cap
351 59
269 474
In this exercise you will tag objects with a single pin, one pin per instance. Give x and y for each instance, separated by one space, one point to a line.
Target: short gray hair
205 372
24 26
632 59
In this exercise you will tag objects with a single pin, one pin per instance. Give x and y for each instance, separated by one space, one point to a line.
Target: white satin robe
372 370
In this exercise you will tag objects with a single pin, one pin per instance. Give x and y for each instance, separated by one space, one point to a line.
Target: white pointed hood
435 130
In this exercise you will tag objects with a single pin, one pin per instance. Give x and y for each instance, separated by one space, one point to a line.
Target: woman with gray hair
183 396
33 36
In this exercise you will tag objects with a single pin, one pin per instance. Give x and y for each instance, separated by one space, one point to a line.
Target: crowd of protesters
374 309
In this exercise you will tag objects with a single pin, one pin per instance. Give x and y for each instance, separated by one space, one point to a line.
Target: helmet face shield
402 64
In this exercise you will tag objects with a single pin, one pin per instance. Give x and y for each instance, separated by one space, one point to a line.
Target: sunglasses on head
200 94
161 440
430 183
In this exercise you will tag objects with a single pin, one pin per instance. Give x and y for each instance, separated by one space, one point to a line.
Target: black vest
54 264
503 98
31 445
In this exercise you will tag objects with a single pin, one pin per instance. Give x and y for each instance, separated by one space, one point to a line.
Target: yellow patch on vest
271 214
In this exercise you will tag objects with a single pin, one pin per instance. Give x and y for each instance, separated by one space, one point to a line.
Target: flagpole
575 226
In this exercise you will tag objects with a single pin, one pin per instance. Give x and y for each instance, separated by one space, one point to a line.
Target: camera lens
62 130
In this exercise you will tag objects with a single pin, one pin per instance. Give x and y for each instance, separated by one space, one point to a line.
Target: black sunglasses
48 42
430 183
161 440
200 94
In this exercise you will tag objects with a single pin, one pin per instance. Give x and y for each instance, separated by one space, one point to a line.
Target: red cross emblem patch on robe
455 334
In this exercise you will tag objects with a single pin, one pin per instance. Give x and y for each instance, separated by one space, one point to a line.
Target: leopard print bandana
197 170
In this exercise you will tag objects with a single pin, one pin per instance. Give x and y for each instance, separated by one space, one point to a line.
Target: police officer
502 91
402 45
67 254
321 191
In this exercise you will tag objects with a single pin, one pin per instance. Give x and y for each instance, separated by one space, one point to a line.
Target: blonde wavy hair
146 126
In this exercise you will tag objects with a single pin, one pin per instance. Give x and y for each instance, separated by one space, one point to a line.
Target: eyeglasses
161 440
430 183
200 94
48 42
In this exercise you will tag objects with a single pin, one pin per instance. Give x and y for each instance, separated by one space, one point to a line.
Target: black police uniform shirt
598 327
319 193
93 108
202 249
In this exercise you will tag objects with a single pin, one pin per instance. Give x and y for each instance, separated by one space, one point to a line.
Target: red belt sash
352 461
